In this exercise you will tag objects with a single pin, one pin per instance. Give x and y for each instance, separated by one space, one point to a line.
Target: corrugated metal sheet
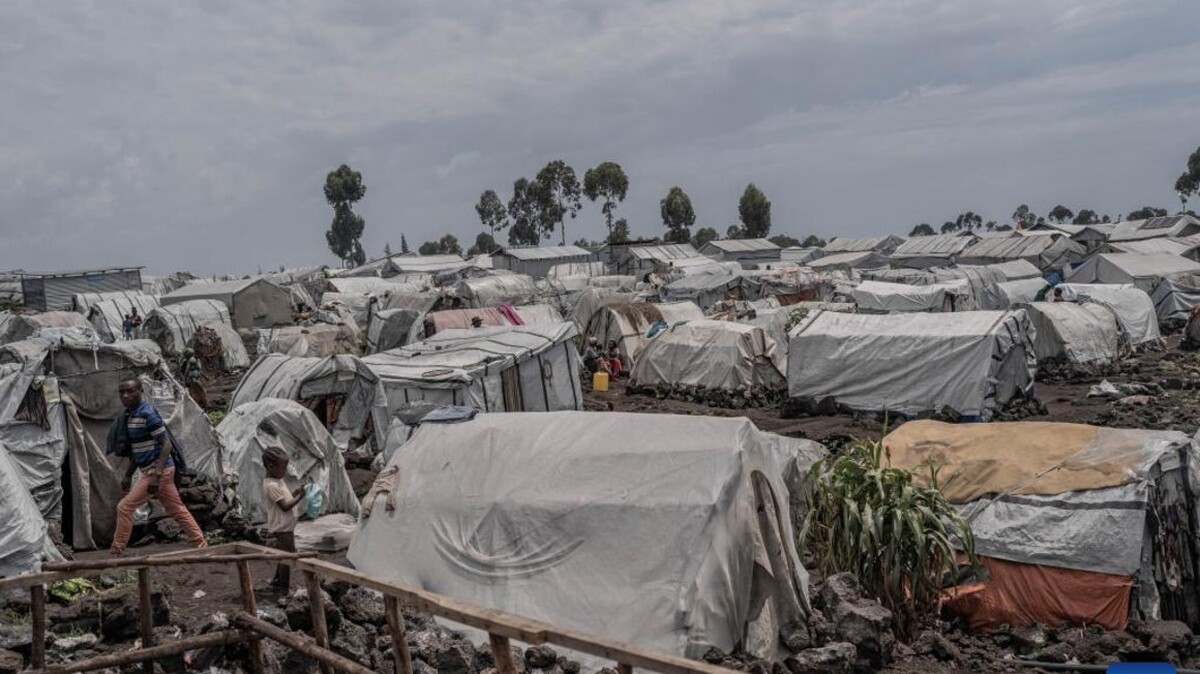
936 245
666 251
1158 245
545 253
222 290
1171 225
855 260
849 245
1014 247
54 291
741 245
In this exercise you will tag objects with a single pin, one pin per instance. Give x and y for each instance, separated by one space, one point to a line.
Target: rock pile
734 399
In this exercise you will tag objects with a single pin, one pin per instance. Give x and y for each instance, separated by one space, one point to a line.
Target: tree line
538 207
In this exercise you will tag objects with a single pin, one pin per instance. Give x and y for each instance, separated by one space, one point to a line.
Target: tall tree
1004 228
619 232
491 213
403 244
703 236
990 225
677 215
1188 184
735 232
387 249
447 245
785 241
484 244
813 241
1060 214
754 210
1085 216
607 182
429 248
949 227
559 197
968 222
343 188
1146 212
524 212
1024 217
923 229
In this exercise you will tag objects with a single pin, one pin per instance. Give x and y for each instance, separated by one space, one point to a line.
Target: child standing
281 509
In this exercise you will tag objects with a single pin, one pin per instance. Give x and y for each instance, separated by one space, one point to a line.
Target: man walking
150 451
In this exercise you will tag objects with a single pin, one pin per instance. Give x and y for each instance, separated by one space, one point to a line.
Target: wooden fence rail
502 628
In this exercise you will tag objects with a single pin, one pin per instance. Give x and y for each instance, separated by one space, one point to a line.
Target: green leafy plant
71 589
900 538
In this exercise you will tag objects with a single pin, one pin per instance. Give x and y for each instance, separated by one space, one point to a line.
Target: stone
1029 639
456 657
794 637
836 658
112 614
424 645
299 613
361 605
16 636
274 615
352 642
75 643
937 645
167 529
540 657
419 667
10 662
862 622
570 666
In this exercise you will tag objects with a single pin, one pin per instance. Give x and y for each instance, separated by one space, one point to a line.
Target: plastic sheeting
1075 333
531 368
711 354
882 297
627 324
314 456
107 315
505 289
1174 299
590 301
1133 307
1143 271
233 350
970 363
1020 292
23 534
309 341
172 327
536 515
706 290
394 328
16 327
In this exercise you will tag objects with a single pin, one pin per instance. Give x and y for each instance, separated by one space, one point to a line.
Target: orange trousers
168 496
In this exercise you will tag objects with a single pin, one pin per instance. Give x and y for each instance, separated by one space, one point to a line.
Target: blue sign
1141 668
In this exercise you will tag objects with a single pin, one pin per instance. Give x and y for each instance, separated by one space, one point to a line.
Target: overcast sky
196 135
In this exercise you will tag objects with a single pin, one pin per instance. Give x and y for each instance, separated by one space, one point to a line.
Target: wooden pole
502 654
37 610
250 606
326 657
145 614
194 558
399 643
147 654
316 606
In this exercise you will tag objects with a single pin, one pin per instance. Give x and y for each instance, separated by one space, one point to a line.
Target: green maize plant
900 538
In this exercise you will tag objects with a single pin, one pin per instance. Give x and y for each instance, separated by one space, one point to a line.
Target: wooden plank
326 657
37 611
154 560
250 606
135 656
628 654
399 642
145 615
316 607
502 654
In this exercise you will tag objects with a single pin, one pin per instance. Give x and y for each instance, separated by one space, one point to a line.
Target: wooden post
502 654
316 606
37 609
145 614
399 644
293 641
125 658
250 606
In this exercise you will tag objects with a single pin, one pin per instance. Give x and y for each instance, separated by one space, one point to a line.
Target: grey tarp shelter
24 536
1133 307
476 293
507 510
537 261
83 302
714 355
881 297
51 425
107 312
1162 226
314 456
938 250
1074 333
341 390
1046 251
54 290
311 341
1013 270
252 303
708 289
626 324
849 261
1174 298
1024 291
173 326
969 363
877 244
16 327
746 252
518 368
1143 271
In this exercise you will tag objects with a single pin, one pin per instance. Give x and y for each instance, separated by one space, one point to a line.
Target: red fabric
168 496
511 314
1026 594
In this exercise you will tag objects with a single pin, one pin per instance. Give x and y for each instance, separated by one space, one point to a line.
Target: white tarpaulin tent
24 542
337 386
314 456
1013 270
884 298
16 327
591 299
1022 291
233 354
172 327
1143 271
627 324
713 355
1075 333
970 363
311 341
1133 307
485 291
708 289
518 368
393 328
83 302
536 515
1174 299
107 315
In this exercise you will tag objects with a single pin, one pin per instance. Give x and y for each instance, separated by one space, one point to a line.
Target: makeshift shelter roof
1024 291
851 245
544 252
1155 246
172 327
24 536
1140 270
1044 251
313 455
970 363
1133 307
83 302
627 323
209 290
309 341
663 251
851 260
569 269
431 264
706 289
883 297
107 316
1170 225
504 289
738 245
1012 270
713 355
16 327
1074 333
937 245
368 285
296 275
1174 298
800 255
507 510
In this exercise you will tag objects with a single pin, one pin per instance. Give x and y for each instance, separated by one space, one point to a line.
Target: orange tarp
1025 594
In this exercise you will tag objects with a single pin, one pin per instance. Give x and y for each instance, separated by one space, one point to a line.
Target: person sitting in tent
149 446
1058 295
127 326
591 356
281 504
610 361
193 378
